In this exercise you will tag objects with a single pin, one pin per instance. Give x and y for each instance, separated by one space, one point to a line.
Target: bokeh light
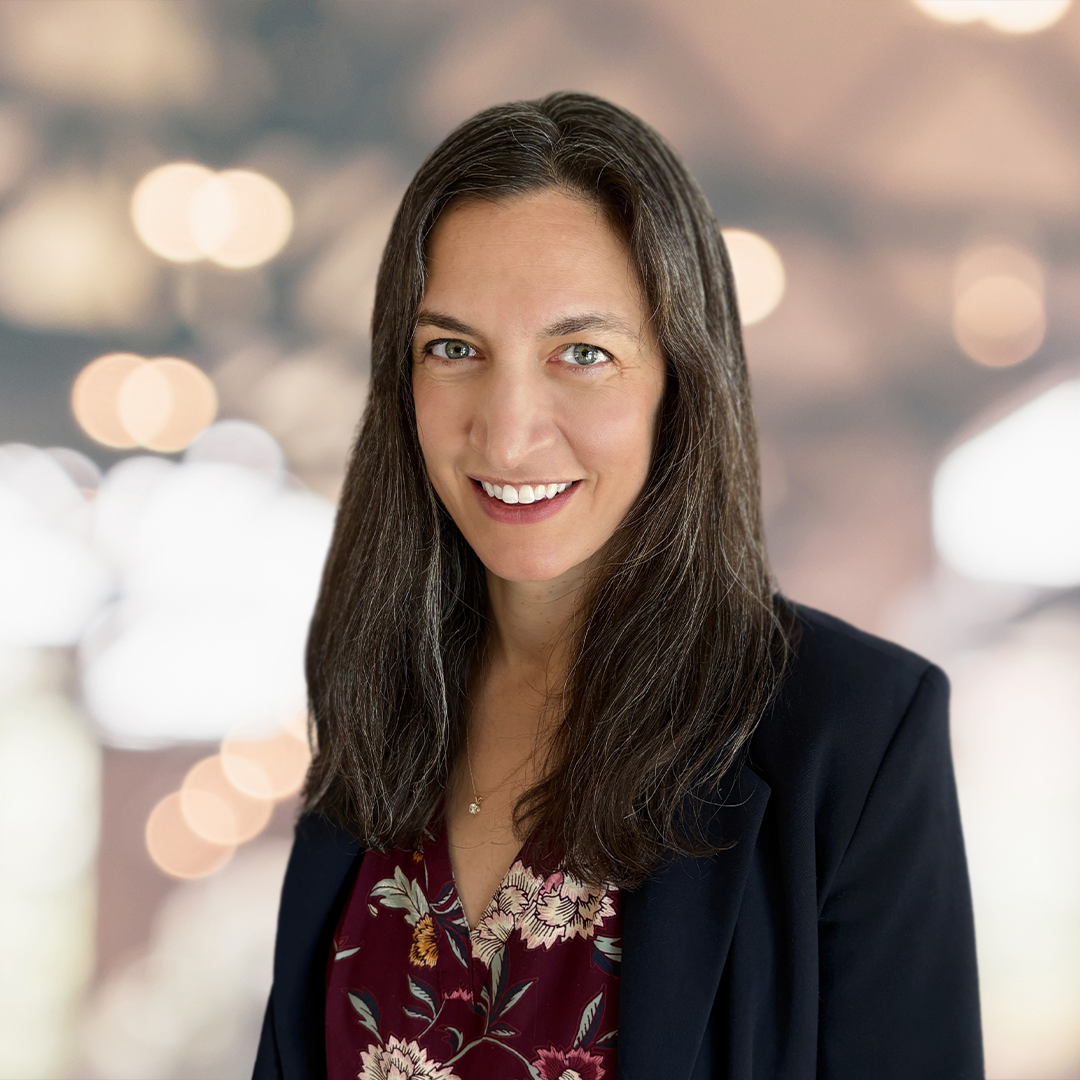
175 848
49 794
160 209
216 809
1005 503
219 564
109 53
999 318
237 218
166 404
759 274
68 260
238 442
144 403
272 768
52 581
240 218
1008 16
952 11
94 398
122 400
50 781
1023 687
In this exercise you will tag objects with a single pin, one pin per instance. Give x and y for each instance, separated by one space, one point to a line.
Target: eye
583 355
451 349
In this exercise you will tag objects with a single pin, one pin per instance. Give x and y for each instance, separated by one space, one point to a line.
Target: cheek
614 438
434 424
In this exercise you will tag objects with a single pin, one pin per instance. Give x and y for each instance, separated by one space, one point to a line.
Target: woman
589 800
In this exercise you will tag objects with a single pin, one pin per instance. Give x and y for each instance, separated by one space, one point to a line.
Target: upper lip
516 483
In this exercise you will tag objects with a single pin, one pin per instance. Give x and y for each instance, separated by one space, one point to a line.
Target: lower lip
519 514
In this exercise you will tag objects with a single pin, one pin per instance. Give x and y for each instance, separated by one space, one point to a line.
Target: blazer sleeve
268 1060
898 984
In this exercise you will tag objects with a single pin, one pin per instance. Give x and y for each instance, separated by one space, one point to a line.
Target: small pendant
474 808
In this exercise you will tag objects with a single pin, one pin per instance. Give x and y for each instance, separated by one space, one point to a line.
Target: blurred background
193 201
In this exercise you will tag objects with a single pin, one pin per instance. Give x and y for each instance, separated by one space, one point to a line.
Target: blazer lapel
677 928
320 873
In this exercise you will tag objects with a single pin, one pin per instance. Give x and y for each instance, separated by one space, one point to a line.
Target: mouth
524 494
532 504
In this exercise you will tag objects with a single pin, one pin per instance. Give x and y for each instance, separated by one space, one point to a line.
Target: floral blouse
531 992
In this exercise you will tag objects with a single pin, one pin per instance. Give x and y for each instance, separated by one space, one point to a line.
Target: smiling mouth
523 494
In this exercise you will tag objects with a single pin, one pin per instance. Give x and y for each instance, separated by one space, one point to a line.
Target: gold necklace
474 806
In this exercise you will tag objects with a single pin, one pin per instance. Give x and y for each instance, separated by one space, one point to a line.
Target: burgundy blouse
531 992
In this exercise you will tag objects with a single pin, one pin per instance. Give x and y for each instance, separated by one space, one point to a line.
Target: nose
512 419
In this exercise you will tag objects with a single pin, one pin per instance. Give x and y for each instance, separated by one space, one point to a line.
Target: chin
526 565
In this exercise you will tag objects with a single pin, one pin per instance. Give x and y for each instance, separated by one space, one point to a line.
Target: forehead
537 254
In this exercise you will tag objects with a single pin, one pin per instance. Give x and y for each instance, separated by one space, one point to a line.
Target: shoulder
844 696
831 656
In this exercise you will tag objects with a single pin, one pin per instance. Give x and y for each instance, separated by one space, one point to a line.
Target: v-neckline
444 864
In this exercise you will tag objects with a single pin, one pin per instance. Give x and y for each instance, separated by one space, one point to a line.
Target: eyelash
431 346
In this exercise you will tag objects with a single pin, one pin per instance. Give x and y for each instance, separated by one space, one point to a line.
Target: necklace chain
474 806
477 799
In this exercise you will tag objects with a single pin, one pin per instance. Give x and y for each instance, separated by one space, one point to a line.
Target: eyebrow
444 322
572 324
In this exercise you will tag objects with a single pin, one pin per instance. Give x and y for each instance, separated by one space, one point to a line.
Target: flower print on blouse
531 993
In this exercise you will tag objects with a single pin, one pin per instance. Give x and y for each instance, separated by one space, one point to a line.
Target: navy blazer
834 939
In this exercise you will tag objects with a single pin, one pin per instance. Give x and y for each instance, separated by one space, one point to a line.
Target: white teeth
525 494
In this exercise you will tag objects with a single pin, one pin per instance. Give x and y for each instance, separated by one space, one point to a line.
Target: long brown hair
679 644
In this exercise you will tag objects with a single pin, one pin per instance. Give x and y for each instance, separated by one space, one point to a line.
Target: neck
532 621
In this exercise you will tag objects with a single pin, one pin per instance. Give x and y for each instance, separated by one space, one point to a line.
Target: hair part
679 645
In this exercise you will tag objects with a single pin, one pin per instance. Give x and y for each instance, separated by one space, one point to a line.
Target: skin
514 291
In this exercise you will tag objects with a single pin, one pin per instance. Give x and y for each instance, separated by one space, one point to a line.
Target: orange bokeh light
758 271
176 849
123 401
241 218
193 405
159 209
272 768
94 398
215 809
143 403
237 218
999 316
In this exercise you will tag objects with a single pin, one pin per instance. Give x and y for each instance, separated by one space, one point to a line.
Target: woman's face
537 380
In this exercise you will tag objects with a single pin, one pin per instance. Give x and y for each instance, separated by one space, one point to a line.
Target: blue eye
451 349
582 355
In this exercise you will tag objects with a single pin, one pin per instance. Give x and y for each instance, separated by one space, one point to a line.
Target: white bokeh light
1008 16
51 579
1006 503
49 781
219 565
1016 737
